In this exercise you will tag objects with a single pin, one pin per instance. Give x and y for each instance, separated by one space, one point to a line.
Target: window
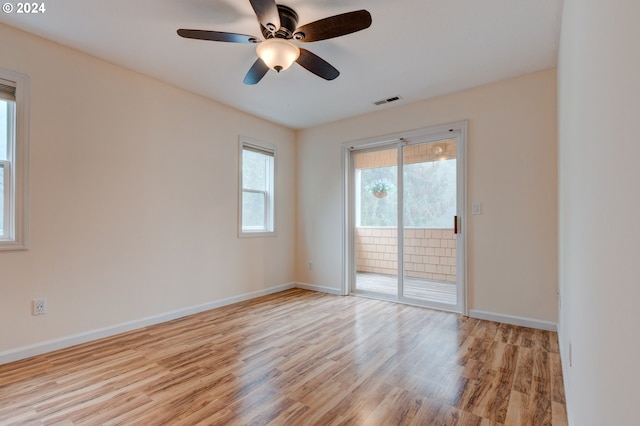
257 176
13 160
430 195
372 211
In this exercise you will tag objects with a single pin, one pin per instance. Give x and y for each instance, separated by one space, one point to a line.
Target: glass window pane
430 194
378 196
253 211
4 116
1 200
254 170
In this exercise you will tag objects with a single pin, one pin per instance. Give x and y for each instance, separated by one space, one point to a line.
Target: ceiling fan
279 25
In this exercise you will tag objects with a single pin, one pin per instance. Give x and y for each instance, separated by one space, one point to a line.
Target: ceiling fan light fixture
278 53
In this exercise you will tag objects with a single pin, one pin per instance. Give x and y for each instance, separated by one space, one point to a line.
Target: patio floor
418 288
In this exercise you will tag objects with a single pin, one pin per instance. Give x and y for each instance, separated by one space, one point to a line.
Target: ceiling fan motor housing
288 24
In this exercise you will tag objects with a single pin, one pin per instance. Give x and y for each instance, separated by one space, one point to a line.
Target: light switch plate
475 208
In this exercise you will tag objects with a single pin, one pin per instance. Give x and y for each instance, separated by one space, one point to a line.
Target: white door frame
457 129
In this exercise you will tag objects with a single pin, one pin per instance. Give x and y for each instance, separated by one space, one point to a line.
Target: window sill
257 234
6 245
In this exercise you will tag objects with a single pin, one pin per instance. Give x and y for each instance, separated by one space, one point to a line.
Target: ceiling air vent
386 101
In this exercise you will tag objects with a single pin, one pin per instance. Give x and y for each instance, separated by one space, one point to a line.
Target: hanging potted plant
380 188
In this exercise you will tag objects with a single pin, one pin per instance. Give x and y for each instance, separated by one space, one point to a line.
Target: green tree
429 195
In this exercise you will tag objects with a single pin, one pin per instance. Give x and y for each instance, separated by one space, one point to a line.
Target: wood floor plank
517 411
385 412
559 414
297 358
540 403
557 382
524 371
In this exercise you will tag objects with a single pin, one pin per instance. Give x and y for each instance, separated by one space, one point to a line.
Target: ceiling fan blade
267 13
256 72
317 65
217 36
334 26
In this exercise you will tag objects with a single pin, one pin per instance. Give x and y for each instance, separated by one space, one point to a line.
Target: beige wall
599 151
512 146
133 199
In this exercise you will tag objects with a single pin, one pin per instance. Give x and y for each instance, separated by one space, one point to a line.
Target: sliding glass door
406 208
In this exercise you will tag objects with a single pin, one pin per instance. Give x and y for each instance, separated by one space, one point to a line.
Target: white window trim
18 182
270 202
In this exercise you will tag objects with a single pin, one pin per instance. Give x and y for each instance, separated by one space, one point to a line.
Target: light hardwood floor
297 358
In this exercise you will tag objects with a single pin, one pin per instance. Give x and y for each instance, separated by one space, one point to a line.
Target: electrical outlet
39 306
310 265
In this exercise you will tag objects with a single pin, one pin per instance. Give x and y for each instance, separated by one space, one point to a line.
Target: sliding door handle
455 224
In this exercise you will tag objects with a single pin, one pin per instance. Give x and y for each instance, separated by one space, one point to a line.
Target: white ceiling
416 49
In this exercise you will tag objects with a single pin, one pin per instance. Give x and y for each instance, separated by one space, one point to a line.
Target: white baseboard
319 288
16 354
514 320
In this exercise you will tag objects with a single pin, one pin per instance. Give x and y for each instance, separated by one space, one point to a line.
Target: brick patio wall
429 253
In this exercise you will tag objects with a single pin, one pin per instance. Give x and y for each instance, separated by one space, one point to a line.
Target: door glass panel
429 208
376 221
